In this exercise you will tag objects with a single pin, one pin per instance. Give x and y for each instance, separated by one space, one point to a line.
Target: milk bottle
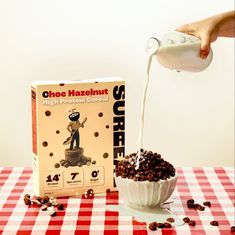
179 51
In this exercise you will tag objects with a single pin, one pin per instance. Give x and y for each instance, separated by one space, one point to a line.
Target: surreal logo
119 121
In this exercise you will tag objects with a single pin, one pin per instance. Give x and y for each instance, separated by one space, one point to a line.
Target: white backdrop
189 117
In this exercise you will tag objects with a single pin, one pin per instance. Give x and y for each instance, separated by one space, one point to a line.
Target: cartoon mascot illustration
74 155
73 128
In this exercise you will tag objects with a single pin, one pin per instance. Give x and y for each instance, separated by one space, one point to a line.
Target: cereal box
78 134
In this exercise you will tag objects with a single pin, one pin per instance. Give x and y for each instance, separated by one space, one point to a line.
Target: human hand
207 30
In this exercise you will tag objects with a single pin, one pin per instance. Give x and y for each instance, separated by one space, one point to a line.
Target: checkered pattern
85 216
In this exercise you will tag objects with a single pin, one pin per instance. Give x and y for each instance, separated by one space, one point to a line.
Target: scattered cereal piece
36 202
190 201
27 195
53 201
160 225
186 219
207 203
45 199
48 204
153 226
167 225
171 220
51 211
214 223
191 205
192 223
44 207
199 207
27 201
90 192
38 198
60 206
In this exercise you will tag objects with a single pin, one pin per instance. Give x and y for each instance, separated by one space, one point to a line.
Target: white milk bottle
179 51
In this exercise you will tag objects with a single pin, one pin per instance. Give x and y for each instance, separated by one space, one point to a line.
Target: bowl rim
175 177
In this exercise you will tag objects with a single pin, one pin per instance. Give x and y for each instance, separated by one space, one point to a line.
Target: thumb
205 46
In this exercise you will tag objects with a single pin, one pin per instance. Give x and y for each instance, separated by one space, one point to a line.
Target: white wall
189 117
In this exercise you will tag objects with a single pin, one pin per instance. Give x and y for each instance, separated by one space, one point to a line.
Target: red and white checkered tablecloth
88 216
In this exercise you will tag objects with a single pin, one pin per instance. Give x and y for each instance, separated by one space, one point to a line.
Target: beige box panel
95 153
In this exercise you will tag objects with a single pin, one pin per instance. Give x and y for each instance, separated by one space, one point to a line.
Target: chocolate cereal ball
152 167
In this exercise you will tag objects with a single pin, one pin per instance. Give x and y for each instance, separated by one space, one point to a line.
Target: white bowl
142 194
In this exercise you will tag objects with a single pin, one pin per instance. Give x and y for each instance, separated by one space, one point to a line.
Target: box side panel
34 141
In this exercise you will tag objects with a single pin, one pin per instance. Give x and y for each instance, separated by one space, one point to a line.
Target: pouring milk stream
176 51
